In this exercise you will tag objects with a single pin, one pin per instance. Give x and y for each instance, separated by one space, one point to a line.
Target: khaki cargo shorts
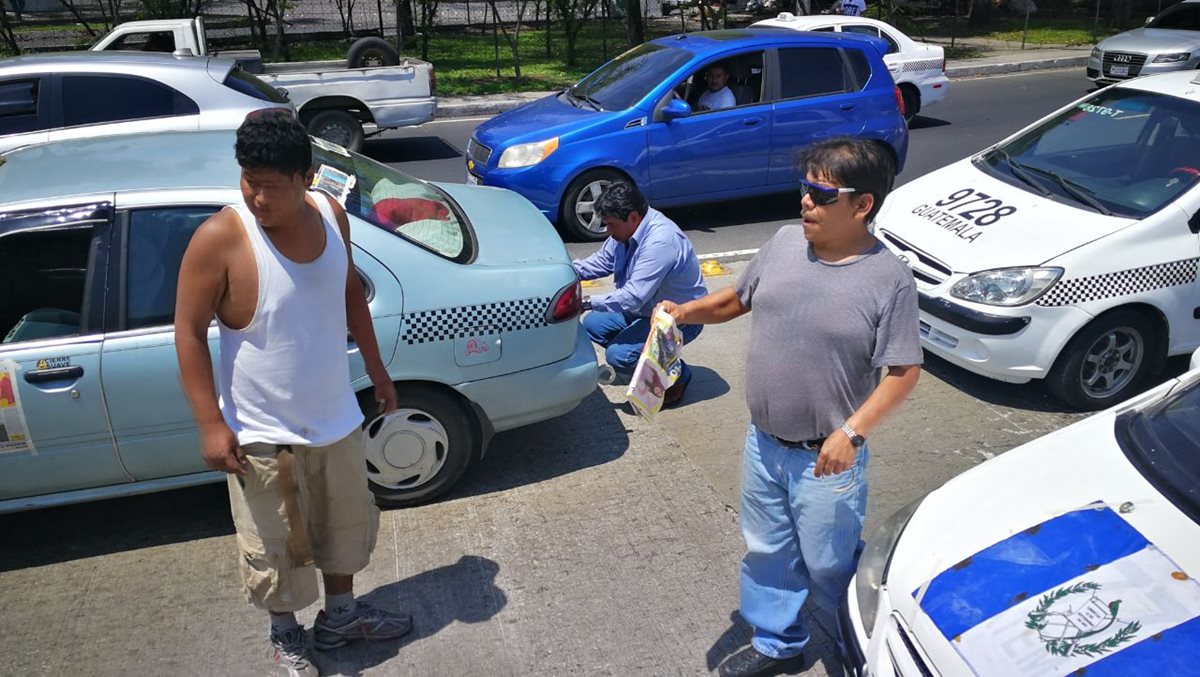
299 511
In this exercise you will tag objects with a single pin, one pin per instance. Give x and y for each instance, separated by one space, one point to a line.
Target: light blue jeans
802 535
622 336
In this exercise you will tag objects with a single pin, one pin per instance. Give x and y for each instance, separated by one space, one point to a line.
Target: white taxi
1067 252
919 69
1074 554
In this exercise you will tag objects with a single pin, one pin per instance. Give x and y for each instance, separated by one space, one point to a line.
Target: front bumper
1013 345
537 394
542 184
1102 73
851 643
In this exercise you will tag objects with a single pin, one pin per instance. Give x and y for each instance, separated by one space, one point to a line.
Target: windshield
388 199
1123 152
627 79
1163 443
1182 17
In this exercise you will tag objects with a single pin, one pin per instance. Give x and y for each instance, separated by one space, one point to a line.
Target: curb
494 104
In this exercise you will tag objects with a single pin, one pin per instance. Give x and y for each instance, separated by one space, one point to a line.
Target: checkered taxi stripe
447 324
923 65
1121 283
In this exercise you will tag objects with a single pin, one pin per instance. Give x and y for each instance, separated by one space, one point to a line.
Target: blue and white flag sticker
1081 590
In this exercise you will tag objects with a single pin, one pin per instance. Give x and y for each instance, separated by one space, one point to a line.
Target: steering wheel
1182 174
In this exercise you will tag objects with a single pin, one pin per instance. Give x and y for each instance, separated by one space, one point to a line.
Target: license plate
1119 71
472 180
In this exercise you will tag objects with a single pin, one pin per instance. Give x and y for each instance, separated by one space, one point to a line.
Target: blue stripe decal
1025 565
1173 652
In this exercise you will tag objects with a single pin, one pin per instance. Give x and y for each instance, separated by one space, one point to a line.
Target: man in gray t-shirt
833 309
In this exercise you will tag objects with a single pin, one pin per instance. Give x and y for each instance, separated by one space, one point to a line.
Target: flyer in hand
659 366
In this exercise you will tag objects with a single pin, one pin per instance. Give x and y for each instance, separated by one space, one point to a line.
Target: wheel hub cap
405 449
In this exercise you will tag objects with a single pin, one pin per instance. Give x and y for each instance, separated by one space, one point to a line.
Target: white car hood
1039 230
963 530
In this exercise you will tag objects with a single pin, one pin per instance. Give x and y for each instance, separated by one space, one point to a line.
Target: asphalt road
976 113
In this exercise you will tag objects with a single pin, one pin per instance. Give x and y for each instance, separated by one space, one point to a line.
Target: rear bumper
933 90
403 112
538 394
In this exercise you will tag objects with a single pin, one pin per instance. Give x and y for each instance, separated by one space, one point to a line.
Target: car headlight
1097 53
527 154
874 561
1173 58
1006 286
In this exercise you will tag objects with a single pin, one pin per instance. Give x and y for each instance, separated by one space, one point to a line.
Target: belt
813 444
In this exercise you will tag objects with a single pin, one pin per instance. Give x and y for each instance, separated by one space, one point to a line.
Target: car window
743 79
627 79
155 41
19 106
1163 443
43 274
811 71
241 81
157 239
1133 151
95 99
861 29
391 200
1182 17
824 29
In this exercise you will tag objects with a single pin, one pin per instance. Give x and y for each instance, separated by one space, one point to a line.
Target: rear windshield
385 198
627 79
251 86
1122 152
1163 443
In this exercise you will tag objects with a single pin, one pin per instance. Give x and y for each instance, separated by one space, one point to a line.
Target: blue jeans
622 335
802 534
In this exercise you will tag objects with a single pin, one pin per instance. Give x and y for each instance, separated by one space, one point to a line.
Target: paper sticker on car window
330 146
14 434
334 182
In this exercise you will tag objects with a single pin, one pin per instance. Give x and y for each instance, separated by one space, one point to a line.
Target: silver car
1168 42
55 97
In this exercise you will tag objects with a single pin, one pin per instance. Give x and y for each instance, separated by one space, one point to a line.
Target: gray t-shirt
821 332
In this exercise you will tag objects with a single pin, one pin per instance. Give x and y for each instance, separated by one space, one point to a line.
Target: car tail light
567 303
900 102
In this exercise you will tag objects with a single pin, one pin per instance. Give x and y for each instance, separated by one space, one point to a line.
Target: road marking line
728 254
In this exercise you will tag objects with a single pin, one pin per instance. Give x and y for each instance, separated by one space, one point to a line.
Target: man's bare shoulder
221 232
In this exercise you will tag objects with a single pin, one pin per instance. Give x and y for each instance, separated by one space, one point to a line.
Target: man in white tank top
276 272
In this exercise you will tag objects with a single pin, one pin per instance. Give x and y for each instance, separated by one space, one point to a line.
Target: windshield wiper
1080 192
590 101
1018 170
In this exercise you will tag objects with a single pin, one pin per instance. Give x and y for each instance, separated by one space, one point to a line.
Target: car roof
1182 84
113 164
115 60
704 41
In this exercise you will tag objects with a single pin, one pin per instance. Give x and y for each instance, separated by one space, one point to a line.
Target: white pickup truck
335 99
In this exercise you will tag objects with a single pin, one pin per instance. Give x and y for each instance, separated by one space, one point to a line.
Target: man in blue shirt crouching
651 260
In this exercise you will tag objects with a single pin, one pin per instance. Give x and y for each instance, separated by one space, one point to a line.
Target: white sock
340 607
281 623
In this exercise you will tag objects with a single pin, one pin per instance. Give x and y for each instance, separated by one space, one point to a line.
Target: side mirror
183 51
1149 19
676 108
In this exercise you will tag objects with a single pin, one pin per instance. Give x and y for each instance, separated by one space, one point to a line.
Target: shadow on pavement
590 435
736 636
922 122
411 149
49 536
706 385
713 215
463 592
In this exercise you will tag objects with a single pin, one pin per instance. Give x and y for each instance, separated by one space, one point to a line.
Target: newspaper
658 367
14 434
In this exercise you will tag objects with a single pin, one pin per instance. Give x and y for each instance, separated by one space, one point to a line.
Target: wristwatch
855 439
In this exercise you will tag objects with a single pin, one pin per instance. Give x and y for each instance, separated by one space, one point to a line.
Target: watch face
858 441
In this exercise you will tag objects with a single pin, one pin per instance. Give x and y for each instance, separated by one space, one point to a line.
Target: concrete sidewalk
999 59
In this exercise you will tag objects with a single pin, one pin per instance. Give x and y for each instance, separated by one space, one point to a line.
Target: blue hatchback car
643 116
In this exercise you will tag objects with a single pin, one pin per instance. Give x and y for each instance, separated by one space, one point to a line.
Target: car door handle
750 122
46 375
847 106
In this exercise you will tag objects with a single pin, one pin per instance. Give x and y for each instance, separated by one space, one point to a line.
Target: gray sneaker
291 655
368 623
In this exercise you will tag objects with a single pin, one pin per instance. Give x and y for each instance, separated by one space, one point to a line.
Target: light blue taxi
472 293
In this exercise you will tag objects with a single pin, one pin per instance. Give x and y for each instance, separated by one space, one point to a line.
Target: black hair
273 139
865 166
620 199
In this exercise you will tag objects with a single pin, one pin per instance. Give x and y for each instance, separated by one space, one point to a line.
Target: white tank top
285 378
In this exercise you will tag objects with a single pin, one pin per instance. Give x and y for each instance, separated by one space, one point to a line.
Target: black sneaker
749 662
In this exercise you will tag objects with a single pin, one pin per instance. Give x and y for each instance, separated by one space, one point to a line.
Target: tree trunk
980 13
1122 12
635 30
6 32
70 5
406 28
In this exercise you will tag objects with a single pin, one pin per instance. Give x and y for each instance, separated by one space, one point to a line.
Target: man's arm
358 321
837 454
598 265
650 268
715 308
203 278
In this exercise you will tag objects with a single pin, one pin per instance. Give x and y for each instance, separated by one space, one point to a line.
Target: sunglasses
822 195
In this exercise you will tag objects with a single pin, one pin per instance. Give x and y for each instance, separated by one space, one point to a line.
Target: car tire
337 126
577 215
1106 361
417 452
912 101
372 52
